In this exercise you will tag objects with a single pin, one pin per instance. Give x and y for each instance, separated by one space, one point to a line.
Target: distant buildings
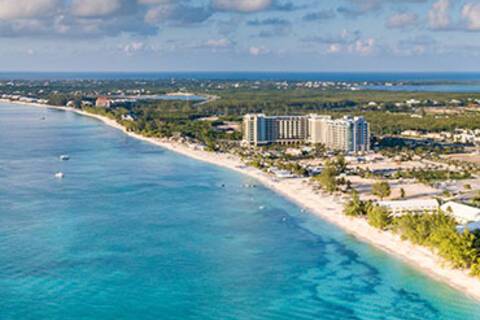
349 134
103 102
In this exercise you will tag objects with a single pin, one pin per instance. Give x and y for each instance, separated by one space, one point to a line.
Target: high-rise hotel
349 134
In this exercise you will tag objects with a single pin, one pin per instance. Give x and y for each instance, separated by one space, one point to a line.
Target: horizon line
237 71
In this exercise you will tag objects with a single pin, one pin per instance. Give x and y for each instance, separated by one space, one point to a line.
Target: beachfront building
400 207
349 134
461 212
103 102
260 129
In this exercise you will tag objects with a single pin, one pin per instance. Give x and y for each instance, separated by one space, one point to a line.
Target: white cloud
20 9
257 51
402 20
218 43
364 47
95 8
439 15
471 15
159 13
334 48
133 47
244 6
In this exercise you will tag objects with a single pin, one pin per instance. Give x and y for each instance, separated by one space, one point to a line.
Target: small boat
59 175
64 157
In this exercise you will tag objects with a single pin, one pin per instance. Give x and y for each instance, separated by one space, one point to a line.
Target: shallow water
137 232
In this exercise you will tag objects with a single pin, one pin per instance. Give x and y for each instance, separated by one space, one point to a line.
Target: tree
378 217
402 193
340 164
354 207
381 189
328 177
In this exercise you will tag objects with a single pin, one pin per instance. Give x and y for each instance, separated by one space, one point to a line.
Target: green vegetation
436 231
378 217
383 123
328 177
430 176
355 207
381 189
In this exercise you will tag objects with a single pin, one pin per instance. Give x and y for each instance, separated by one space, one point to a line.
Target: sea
460 82
134 231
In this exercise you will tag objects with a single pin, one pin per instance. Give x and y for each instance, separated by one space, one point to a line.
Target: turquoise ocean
137 232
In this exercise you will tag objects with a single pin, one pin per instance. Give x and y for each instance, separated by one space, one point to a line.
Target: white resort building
466 216
349 134
401 207
462 213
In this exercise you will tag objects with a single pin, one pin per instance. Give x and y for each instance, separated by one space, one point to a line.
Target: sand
324 206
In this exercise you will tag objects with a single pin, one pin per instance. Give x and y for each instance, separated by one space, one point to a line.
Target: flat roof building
401 207
461 212
349 134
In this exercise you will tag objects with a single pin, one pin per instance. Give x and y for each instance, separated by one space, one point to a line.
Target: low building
461 212
281 174
401 207
103 102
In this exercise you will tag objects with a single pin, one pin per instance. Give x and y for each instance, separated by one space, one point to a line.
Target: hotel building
349 134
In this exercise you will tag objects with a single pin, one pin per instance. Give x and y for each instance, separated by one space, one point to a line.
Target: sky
240 35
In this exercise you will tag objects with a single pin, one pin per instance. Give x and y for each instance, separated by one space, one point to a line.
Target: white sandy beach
326 207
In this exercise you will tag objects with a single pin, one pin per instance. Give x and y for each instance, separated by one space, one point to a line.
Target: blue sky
212 35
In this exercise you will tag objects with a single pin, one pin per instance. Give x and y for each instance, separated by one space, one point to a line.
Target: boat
59 175
64 157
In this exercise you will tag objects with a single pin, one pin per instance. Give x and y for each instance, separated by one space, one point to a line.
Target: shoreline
325 207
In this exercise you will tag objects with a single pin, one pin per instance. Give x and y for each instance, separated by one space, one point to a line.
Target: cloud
365 47
268 22
133 47
334 48
179 13
415 46
319 16
345 37
21 9
218 43
95 8
243 6
257 51
471 16
345 42
439 15
357 8
402 20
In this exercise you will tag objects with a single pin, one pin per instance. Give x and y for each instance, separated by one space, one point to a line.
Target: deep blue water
137 232
275 76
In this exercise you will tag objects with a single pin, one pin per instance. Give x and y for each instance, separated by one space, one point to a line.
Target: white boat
64 157
59 175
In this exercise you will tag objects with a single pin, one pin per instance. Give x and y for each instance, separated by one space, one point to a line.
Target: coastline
324 206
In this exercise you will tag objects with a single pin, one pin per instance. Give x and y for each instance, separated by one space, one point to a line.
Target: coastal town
328 163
